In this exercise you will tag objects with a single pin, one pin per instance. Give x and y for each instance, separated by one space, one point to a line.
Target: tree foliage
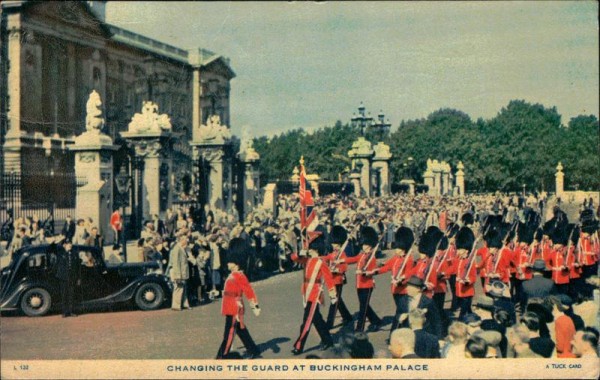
521 145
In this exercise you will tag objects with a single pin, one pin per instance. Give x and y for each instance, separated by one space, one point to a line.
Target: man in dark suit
68 272
426 344
68 230
416 300
538 286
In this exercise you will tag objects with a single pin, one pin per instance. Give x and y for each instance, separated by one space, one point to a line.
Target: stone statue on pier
93 119
214 131
150 121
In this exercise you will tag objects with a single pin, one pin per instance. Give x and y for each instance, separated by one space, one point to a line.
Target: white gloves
333 296
256 310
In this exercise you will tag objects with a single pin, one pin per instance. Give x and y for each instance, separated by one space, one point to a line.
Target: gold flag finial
302 160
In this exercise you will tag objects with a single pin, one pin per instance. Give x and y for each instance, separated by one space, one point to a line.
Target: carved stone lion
93 119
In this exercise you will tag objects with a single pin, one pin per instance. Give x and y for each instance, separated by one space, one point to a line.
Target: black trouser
514 288
401 301
68 295
339 305
517 291
577 289
365 310
312 316
464 303
452 282
563 288
232 326
439 299
587 290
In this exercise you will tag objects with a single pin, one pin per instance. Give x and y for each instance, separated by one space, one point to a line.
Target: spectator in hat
426 344
540 345
179 273
416 300
564 329
402 344
498 291
585 343
538 286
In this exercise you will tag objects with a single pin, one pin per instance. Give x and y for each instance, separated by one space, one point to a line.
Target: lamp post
361 120
410 162
381 127
524 189
123 182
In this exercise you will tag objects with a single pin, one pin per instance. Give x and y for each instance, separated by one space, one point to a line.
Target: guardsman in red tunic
401 266
498 261
558 259
452 262
232 307
440 286
365 264
589 247
574 263
536 246
483 254
466 274
316 272
339 237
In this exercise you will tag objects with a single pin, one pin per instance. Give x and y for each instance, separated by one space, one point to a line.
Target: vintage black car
29 282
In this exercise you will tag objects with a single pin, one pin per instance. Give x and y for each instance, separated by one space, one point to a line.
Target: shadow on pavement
272 345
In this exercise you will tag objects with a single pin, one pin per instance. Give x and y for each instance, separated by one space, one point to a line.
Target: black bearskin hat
338 235
404 239
237 252
467 219
465 238
368 236
317 241
493 238
429 241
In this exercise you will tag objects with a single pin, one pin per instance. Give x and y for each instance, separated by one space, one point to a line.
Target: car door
93 281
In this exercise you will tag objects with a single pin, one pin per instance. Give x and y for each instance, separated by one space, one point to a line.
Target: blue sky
309 64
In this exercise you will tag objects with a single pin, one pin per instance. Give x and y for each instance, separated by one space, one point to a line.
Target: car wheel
36 302
149 296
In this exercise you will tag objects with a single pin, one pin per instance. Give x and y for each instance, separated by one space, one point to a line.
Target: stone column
460 178
381 161
445 185
94 164
560 180
437 177
250 158
270 198
12 146
428 179
212 143
150 135
355 180
361 154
